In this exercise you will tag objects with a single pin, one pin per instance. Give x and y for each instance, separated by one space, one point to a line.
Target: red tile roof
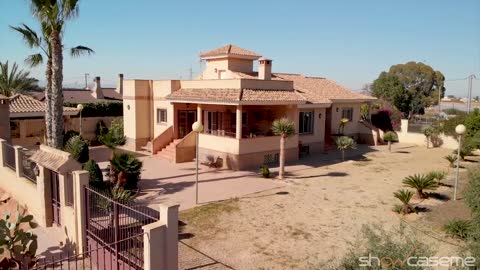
237 96
81 95
23 104
231 50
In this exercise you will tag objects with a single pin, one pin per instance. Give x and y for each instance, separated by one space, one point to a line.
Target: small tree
126 170
420 182
344 143
438 176
284 128
21 245
451 160
78 148
114 136
428 132
404 196
96 175
389 137
342 124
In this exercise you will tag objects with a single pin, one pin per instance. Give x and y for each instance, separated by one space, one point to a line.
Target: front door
55 189
185 122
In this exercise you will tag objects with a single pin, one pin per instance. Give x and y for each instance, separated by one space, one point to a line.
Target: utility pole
190 70
86 80
469 104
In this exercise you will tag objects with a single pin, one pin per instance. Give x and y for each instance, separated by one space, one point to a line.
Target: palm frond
13 80
29 36
34 60
80 51
283 127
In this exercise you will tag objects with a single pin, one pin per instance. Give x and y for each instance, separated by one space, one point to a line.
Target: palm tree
438 176
428 132
284 128
53 16
15 81
42 43
343 143
389 137
404 196
451 160
420 182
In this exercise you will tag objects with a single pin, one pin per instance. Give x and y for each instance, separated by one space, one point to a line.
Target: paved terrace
164 182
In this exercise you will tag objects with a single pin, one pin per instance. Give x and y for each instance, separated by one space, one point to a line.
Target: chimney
120 83
97 90
265 69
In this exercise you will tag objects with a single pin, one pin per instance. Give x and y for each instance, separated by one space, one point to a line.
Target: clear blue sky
347 41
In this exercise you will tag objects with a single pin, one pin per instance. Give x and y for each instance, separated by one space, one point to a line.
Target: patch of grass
459 228
206 216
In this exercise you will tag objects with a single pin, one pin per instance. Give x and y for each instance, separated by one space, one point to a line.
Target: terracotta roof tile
218 95
80 95
321 90
271 95
26 104
237 96
229 50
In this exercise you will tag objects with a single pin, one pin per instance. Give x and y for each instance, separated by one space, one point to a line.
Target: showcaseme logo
388 262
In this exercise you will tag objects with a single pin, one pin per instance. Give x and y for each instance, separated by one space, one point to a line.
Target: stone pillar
45 197
404 125
160 240
238 128
18 160
169 216
2 156
80 181
154 253
199 114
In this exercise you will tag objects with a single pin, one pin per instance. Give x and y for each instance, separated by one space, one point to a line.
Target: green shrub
472 123
69 134
265 171
365 111
115 136
459 228
420 182
100 128
438 176
448 126
472 191
404 196
126 169
78 148
451 160
99 109
374 240
453 111
389 137
96 175
344 143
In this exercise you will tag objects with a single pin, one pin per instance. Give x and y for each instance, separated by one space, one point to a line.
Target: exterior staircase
168 152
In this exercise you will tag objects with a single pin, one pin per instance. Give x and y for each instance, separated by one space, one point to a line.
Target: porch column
199 114
238 128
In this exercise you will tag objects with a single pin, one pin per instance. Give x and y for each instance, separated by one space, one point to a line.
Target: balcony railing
9 156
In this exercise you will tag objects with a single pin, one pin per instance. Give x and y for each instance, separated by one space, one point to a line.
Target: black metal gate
55 191
117 229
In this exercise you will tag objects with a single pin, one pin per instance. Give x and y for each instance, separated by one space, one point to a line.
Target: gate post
80 181
2 154
169 216
45 194
18 160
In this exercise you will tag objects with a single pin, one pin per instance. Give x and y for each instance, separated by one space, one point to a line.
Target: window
347 113
161 116
305 125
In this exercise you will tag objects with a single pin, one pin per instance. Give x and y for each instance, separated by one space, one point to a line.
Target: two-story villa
237 106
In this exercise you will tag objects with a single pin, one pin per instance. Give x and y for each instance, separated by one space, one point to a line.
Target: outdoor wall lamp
320 116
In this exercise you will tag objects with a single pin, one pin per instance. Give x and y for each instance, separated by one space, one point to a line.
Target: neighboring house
237 107
94 95
27 119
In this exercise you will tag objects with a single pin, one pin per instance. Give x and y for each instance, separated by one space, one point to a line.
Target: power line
462 79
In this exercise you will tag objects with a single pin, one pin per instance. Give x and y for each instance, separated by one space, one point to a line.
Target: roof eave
237 56
351 100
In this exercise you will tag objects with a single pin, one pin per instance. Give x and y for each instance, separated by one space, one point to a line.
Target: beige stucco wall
352 127
317 139
419 139
160 90
137 108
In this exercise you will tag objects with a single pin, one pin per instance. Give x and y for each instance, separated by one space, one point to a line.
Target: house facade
237 106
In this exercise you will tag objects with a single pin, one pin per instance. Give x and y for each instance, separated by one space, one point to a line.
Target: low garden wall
404 136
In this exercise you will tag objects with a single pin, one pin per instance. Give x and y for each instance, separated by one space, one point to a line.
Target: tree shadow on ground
330 174
422 209
402 152
438 196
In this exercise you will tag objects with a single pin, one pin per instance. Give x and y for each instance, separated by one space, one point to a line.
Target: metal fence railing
9 156
28 166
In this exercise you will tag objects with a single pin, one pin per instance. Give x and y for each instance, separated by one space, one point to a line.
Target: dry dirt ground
312 219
